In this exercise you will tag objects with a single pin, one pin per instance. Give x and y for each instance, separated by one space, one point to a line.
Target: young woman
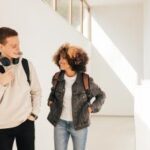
68 100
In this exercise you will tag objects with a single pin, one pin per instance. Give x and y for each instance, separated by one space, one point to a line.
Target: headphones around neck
6 62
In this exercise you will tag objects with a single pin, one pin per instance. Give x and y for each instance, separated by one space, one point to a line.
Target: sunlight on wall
113 57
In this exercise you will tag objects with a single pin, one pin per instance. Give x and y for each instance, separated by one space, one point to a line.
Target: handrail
83 4
88 6
81 16
70 11
55 5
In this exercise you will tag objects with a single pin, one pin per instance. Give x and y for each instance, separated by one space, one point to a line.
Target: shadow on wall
117 30
115 59
119 101
117 56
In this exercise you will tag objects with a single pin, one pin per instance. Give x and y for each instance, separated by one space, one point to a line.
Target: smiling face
10 48
63 63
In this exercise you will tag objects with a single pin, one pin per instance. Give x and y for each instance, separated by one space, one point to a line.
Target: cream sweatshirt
18 99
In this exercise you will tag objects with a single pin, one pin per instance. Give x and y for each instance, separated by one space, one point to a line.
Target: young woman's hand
89 109
49 103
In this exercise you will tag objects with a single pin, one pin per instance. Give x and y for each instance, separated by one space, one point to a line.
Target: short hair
6 32
77 58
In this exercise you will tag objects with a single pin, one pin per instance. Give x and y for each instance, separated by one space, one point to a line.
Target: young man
19 96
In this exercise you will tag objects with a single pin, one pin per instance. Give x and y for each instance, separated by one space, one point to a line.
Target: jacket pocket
83 114
53 113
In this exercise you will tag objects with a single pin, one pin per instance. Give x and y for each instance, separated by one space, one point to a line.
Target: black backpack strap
86 85
2 70
85 81
55 79
26 69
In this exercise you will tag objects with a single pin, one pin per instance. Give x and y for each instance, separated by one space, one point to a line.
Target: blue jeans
62 132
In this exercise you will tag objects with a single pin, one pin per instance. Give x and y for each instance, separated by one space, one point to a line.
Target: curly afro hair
77 58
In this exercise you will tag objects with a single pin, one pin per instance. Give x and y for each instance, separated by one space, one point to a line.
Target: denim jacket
80 106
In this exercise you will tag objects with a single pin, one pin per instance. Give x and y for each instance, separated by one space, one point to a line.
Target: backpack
25 67
85 79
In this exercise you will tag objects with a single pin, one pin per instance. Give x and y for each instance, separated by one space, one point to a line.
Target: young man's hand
6 78
31 118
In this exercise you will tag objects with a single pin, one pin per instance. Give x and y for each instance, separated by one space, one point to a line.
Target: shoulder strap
2 70
26 69
85 81
85 78
86 85
55 79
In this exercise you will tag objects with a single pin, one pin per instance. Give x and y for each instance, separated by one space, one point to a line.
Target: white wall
117 36
142 97
142 119
146 39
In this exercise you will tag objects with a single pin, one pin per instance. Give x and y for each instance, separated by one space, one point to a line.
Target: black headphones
6 62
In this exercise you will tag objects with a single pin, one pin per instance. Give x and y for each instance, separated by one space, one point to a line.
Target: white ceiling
107 2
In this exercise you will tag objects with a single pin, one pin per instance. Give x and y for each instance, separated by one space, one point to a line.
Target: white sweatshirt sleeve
35 90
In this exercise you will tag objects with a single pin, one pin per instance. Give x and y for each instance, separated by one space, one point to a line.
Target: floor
110 133
105 133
